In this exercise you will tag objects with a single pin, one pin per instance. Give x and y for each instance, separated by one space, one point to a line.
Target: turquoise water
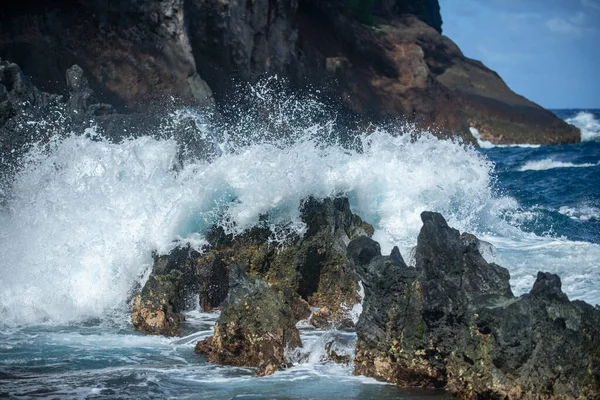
110 360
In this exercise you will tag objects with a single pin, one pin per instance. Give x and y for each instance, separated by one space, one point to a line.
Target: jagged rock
20 103
157 310
452 322
137 53
321 318
313 266
82 99
213 281
255 328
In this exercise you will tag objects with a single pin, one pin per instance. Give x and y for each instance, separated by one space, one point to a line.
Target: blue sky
545 50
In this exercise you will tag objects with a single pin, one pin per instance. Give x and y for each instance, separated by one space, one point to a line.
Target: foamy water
546 164
84 214
588 124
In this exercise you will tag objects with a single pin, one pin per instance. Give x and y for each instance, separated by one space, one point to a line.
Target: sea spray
587 124
85 213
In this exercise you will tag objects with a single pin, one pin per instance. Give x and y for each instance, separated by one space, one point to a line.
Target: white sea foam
548 163
575 262
587 124
484 144
84 214
581 213
84 218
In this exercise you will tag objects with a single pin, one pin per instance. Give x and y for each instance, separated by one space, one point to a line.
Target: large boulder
308 270
452 322
313 266
157 310
256 327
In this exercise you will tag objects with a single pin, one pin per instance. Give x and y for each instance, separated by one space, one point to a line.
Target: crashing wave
85 214
588 124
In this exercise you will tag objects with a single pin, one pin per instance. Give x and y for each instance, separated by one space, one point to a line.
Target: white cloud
591 4
561 25
574 25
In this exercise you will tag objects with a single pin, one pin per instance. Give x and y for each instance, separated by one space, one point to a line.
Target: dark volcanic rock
255 328
405 67
453 322
22 106
157 310
313 267
82 99
308 270
136 52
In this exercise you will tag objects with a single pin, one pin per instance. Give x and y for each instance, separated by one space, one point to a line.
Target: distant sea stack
383 59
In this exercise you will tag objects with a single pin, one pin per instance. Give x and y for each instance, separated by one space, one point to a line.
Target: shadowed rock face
452 322
139 54
309 270
314 266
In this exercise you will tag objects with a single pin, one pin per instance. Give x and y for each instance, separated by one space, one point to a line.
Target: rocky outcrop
255 328
312 266
452 322
136 52
157 310
82 99
20 101
308 270
397 65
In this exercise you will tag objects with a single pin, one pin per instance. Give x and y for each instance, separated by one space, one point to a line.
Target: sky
545 50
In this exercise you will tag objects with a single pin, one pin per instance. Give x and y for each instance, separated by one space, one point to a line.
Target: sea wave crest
587 124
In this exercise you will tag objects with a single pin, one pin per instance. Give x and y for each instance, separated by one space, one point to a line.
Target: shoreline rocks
307 271
157 309
450 322
255 328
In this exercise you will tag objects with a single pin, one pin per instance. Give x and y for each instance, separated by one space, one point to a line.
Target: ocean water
83 214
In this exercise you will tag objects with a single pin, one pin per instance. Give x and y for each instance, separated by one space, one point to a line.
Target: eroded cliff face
139 54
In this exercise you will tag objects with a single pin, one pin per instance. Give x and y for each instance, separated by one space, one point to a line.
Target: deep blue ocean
559 185
83 215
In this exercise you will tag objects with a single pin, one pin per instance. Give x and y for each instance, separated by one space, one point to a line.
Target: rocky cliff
380 58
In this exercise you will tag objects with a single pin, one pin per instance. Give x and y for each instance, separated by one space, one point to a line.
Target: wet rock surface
313 266
305 271
452 322
157 309
255 328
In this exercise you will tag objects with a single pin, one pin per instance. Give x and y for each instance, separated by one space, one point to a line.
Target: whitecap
548 163
582 213
587 124
486 144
